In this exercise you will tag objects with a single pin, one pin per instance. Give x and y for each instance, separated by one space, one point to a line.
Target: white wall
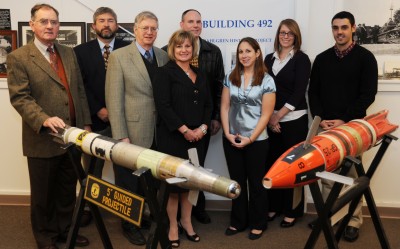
314 19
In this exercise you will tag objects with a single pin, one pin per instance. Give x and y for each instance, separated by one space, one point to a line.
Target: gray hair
144 15
104 10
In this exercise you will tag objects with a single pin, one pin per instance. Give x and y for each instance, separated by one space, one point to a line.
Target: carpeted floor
15 232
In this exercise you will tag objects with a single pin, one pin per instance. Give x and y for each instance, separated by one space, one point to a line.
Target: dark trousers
247 167
53 196
282 200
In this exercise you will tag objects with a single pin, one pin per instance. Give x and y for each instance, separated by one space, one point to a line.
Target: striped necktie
148 57
53 58
106 54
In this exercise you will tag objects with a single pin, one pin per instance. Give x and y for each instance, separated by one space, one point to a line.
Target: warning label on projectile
114 199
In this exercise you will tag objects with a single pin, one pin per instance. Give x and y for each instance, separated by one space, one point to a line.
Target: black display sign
5 19
114 199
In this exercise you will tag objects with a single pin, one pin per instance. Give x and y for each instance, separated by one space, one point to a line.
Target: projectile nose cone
234 190
267 183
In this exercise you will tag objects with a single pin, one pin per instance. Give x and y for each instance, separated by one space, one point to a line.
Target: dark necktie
148 57
53 58
106 54
195 61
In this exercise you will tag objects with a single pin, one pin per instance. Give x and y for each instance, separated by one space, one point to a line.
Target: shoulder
227 82
325 55
22 51
159 50
120 44
301 57
363 51
208 46
86 45
125 50
268 83
269 59
64 48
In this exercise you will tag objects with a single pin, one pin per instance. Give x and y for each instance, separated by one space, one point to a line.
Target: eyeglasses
146 29
289 34
45 22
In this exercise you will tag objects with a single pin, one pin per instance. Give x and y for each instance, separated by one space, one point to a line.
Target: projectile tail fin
381 124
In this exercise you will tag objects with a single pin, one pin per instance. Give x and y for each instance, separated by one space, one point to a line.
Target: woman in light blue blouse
247 103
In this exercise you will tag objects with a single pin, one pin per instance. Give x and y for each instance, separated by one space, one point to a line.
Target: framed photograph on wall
378 30
124 32
8 42
70 33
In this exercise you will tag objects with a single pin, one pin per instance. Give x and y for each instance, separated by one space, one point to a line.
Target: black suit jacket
93 71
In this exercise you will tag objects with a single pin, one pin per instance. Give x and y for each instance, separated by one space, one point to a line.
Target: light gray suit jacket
129 95
37 93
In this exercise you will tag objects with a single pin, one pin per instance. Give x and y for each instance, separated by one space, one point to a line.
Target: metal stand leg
157 205
75 156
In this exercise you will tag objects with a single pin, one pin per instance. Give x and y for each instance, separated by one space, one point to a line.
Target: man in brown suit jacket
48 96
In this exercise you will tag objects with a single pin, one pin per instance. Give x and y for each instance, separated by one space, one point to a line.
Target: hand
329 124
215 126
87 128
126 140
192 135
275 128
199 134
53 123
244 141
274 120
103 114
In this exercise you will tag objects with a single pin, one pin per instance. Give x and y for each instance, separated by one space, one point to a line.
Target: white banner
224 22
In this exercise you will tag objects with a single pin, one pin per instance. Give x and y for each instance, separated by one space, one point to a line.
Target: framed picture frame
70 33
8 43
124 32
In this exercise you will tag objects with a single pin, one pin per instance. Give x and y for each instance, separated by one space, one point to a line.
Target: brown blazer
37 93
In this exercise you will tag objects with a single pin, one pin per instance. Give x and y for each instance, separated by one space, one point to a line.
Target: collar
289 55
203 45
345 52
111 44
142 50
42 47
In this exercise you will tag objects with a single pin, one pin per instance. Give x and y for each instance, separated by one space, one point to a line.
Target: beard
104 35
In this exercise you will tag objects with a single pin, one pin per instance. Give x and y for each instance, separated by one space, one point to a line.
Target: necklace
243 97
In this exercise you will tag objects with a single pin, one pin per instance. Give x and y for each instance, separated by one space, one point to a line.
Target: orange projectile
326 151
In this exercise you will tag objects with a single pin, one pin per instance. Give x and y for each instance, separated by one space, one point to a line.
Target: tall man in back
46 89
209 61
93 59
130 102
343 84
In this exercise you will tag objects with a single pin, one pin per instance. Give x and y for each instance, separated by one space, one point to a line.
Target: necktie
106 54
53 58
148 57
195 61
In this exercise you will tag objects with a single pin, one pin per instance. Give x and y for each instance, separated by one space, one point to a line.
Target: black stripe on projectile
100 151
297 153
341 138
308 175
